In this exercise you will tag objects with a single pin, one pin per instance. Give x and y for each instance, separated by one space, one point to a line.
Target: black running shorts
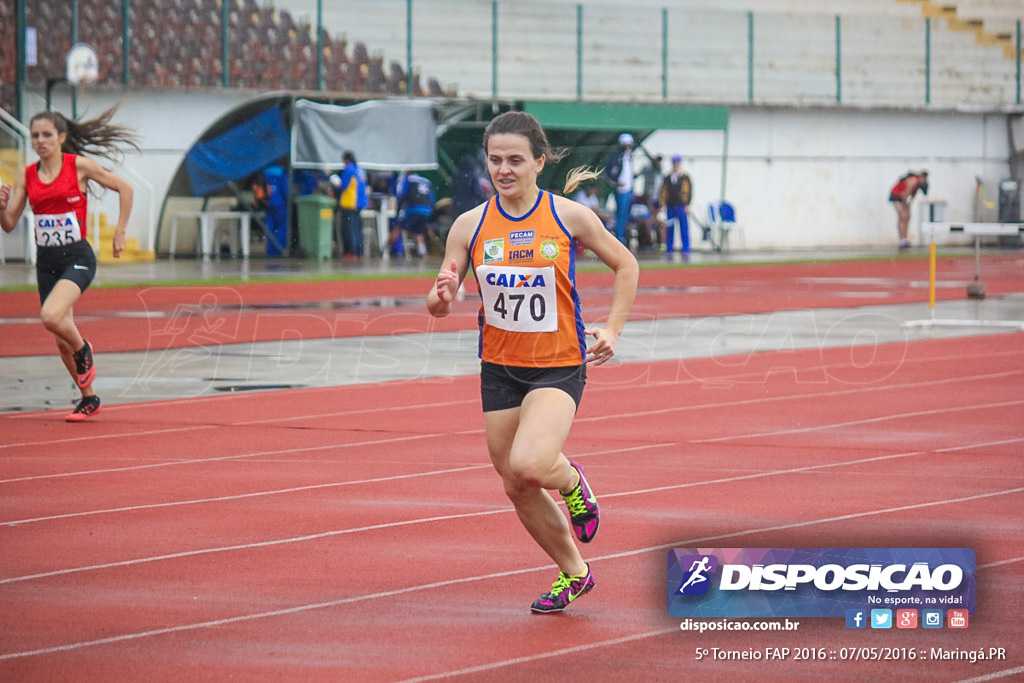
505 386
75 262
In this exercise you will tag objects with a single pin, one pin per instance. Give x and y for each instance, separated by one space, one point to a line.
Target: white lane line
544 655
995 675
411 522
225 458
601 418
812 468
870 420
267 421
309 487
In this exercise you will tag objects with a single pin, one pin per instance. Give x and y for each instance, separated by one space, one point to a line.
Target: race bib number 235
57 230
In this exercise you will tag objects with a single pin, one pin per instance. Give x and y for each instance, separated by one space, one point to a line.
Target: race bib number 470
57 230
519 299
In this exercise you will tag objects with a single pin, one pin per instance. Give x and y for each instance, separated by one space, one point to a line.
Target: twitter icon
881 618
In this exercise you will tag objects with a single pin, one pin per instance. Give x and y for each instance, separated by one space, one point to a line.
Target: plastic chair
722 223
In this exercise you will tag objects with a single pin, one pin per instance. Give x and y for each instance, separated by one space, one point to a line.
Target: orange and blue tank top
525 268
59 208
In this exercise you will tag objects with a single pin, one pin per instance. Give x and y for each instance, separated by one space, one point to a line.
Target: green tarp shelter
589 130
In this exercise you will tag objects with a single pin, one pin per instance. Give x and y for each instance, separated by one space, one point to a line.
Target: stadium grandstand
887 73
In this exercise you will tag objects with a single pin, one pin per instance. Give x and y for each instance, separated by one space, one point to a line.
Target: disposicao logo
818 582
696 580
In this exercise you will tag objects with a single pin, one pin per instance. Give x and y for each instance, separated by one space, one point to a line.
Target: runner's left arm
90 170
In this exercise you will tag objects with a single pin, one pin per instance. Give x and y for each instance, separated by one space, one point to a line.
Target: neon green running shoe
583 510
564 590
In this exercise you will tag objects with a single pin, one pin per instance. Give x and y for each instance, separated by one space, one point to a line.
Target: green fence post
579 51
1018 61
750 56
494 48
928 61
74 41
224 80
725 159
20 68
126 65
319 45
839 60
408 47
664 53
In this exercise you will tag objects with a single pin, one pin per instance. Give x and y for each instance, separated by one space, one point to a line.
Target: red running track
358 534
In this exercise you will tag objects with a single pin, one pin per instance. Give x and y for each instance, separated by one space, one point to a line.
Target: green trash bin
316 225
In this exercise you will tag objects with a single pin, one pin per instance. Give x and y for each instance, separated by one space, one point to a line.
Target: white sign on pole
83 66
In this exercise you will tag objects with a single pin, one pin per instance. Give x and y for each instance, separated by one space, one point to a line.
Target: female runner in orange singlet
533 342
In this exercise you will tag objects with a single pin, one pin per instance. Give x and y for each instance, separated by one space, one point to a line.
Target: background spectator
676 191
470 186
351 200
276 183
415 212
619 171
587 196
901 195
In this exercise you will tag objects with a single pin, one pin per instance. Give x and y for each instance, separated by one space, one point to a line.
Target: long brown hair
521 123
95 137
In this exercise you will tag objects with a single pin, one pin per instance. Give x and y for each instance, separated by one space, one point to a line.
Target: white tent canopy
384 135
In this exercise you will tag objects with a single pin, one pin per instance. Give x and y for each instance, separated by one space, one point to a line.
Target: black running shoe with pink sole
84 367
86 408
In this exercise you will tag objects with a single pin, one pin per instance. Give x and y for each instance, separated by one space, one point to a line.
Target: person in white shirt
619 171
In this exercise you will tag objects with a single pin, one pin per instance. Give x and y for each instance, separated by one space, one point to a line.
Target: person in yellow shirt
352 199
534 353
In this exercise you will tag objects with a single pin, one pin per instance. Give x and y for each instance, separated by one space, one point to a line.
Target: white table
207 224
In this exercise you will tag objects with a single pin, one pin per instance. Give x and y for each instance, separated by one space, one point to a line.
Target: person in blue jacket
415 212
351 200
276 213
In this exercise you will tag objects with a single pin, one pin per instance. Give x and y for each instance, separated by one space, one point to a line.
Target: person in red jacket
56 187
901 194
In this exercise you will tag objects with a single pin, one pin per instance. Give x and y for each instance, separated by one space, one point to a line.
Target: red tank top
525 268
59 207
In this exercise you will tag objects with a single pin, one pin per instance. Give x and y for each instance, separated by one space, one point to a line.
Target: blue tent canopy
238 153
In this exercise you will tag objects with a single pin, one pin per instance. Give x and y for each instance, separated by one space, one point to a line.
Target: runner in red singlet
56 187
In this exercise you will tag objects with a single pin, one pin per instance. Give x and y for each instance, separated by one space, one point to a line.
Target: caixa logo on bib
816 582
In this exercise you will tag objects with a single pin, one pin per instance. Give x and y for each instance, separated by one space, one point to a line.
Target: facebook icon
856 618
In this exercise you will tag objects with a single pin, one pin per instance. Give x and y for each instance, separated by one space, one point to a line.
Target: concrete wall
821 177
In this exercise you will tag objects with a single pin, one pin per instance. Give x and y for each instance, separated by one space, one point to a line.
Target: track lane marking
390 525
602 418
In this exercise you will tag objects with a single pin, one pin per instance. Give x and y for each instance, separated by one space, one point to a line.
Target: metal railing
13 137
533 50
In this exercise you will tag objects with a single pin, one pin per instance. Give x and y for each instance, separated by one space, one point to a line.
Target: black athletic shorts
505 386
75 262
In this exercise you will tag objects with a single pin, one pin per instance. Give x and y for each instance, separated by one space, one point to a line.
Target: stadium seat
721 224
